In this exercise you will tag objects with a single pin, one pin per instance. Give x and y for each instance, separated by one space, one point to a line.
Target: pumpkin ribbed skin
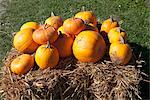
23 41
45 33
46 56
120 53
89 46
22 64
55 21
64 45
87 16
108 24
73 26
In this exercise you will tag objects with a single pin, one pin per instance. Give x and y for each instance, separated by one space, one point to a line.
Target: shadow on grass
144 86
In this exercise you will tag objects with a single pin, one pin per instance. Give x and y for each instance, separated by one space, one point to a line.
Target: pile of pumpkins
78 36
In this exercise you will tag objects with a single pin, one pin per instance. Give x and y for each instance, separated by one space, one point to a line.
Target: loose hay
71 80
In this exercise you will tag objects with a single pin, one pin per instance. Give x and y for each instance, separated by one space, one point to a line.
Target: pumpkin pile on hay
71 80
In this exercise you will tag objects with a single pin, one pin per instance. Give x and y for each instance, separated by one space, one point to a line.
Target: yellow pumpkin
64 44
46 56
108 24
89 46
120 53
32 25
87 16
23 41
116 34
22 64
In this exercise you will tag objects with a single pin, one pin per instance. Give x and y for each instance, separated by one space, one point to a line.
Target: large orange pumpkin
108 24
116 34
64 44
23 41
87 16
55 21
120 53
45 33
46 56
32 25
89 46
73 26
22 64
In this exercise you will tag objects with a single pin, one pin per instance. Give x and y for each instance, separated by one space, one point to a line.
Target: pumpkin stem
83 8
60 34
33 55
122 30
85 22
48 45
111 19
122 40
52 14
119 29
14 33
46 26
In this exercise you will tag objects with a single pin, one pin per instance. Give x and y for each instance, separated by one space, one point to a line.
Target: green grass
135 15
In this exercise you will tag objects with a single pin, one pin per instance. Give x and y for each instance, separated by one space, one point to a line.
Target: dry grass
71 80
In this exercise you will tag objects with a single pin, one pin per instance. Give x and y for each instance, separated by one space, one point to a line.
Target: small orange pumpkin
55 21
120 53
23 41
89 46
87 16
108 24
115 35
45 33
22 64
73 26
91 27
46 56
32 25
64 44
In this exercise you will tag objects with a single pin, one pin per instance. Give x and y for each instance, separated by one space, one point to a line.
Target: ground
135 15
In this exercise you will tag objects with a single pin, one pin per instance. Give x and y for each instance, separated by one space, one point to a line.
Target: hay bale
71 80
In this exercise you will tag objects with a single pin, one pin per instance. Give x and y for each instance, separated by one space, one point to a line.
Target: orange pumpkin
91 27
64 44
115 35
73 26
120 53
87 16
23 41
108 24
45 33
89 46
46 56
32 25
55 21
22 64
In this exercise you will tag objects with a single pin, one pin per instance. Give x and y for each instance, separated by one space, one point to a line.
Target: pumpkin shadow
144 86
